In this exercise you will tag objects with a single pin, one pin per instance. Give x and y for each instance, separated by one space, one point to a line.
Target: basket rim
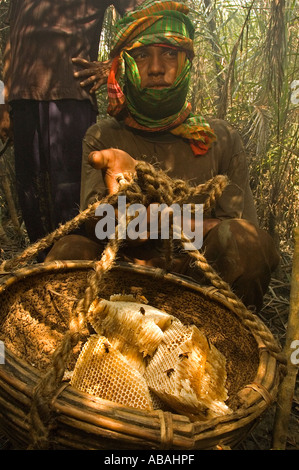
255 397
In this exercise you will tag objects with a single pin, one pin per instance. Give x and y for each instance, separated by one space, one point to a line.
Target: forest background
246 71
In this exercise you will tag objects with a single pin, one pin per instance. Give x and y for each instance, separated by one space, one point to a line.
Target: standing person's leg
48 153
69 121
31 169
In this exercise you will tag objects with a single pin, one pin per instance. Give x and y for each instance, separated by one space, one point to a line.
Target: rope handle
149 186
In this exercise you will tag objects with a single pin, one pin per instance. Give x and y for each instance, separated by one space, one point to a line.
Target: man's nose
156 64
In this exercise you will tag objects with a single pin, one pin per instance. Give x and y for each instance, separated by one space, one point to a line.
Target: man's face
157 66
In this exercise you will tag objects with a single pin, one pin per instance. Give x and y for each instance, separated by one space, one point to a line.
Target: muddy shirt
225 157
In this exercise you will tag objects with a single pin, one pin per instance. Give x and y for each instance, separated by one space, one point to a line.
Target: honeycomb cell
102 371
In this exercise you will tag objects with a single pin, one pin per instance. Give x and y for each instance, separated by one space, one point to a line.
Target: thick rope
51 238
149 186
40 415
249 319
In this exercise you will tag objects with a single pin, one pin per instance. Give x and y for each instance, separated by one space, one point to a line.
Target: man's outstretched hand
93 74
112 162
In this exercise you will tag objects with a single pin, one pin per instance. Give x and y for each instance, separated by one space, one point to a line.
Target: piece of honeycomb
133 328
145 358
103 371
188 373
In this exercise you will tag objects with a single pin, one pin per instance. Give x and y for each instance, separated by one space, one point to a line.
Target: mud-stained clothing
242 253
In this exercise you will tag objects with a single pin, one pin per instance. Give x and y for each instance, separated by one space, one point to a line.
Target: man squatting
151 119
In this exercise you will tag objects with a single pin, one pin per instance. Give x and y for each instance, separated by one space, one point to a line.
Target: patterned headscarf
163 23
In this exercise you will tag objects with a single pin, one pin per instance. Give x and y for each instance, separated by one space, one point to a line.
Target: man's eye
171 53
138 55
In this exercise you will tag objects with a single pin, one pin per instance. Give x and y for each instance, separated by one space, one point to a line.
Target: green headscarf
156 23
140 99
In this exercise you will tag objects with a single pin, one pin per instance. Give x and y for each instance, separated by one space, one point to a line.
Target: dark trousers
48 152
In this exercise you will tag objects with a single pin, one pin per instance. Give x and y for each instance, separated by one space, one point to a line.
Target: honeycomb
188 373
145 358
133 328
102 371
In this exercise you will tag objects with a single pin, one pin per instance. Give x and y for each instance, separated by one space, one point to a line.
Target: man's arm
95 73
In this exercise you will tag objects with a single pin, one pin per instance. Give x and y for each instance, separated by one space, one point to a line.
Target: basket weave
47 292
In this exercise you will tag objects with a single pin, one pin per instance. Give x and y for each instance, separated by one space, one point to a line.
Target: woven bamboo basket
35 303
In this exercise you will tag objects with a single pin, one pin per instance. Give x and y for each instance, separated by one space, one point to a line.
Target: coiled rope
149 185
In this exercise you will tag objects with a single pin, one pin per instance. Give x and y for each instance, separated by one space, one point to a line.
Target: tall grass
246 61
